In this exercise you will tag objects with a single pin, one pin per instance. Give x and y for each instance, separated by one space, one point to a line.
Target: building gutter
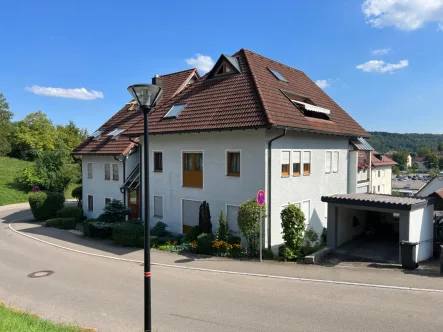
269 193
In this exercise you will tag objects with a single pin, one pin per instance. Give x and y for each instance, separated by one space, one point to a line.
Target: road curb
344 283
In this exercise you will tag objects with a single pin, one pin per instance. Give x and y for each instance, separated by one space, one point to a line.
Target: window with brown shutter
306 162
90 203
285 156
296 163
193 169
158 162
233 163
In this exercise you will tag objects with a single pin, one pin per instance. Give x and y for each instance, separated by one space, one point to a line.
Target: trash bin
408 255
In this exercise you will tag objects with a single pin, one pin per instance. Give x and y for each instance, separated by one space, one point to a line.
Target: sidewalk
342 274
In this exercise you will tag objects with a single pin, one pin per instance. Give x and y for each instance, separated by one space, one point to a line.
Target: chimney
156 80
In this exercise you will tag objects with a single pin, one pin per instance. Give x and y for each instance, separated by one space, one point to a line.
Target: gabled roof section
231 62
361 144
129 115
381 160
251 98
283 113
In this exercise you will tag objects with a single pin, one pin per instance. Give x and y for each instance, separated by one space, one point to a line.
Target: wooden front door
134 203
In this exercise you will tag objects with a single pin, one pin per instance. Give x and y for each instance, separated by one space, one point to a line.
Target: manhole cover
40 274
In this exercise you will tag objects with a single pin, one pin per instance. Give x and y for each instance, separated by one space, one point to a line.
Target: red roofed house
250 123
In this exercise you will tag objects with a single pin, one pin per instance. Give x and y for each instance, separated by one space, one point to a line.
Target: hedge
129 234
204 243
45 205
86 224
70 212
65 223
101 230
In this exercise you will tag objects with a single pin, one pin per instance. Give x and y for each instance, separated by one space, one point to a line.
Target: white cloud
204 63
322 83
402 14
440 26
79 93
381 51
380 66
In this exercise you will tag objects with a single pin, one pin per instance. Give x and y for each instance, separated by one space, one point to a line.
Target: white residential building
251 123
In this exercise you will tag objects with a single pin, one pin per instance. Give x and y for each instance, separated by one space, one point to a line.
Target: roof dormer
225 65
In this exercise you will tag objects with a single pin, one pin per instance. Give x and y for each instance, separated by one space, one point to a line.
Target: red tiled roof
381 160
439 193
126 117
250 99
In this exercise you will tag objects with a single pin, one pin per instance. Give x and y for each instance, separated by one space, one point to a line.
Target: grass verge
16 320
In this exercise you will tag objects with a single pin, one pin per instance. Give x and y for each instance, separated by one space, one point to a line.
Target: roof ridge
178 72
272 60
257 87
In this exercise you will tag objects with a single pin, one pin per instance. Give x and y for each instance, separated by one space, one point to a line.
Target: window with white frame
285 156
328 162
107 171
158 206
306 162
115 175
335 161
89 166
296 163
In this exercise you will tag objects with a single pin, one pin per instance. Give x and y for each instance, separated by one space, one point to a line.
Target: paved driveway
108 295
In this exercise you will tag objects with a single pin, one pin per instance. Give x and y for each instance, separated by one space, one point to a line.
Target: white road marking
231 272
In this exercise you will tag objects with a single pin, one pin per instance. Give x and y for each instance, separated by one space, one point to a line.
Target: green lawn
14 320
10 168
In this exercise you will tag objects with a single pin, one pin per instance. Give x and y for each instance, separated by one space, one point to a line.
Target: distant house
389 154
408 188
431 187
374 170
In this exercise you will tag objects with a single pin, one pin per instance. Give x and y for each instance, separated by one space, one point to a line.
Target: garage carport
380 221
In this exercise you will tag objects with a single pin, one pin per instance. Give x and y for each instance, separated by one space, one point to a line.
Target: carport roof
378 201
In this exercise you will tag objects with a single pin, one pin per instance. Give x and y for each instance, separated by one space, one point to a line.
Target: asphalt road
108 295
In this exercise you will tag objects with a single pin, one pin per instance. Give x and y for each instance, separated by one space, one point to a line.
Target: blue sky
381 61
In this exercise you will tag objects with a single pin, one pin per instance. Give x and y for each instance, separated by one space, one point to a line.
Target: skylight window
277 75
312 108
175 111
116 132
96 134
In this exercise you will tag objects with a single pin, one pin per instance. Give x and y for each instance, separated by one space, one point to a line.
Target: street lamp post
146 95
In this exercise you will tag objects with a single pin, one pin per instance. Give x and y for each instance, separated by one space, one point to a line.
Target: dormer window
174 111
224 69
277 75
225 65
307 106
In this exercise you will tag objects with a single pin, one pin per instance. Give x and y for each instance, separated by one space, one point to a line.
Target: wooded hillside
383 141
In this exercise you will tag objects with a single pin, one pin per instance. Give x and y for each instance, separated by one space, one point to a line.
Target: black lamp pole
146 96
147 259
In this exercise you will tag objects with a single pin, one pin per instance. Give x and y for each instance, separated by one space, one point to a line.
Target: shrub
65 223
69 223
86 224
56 222
293 225
129 234
268 254
204 244
234 239
324 235
159 229
223 231
70 212
221 247
114 212
101 230
204 218
45 205
77 193
311 238
248 222
236 250
193 233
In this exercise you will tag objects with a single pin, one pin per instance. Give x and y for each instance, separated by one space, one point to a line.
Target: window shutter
328 161
285 157
89 170
335 162
115 174
306 207
307 157
107 171
297 157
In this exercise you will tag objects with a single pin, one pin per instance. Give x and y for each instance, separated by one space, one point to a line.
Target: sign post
261 198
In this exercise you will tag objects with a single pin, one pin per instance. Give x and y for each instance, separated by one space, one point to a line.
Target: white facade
98 187
382 180
421 230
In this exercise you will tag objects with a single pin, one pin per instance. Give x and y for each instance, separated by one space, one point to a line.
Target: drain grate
40 274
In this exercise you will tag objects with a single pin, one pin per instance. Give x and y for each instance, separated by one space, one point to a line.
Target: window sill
296 175
285 176
233 175
192 187
158 217
307 174
157 171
